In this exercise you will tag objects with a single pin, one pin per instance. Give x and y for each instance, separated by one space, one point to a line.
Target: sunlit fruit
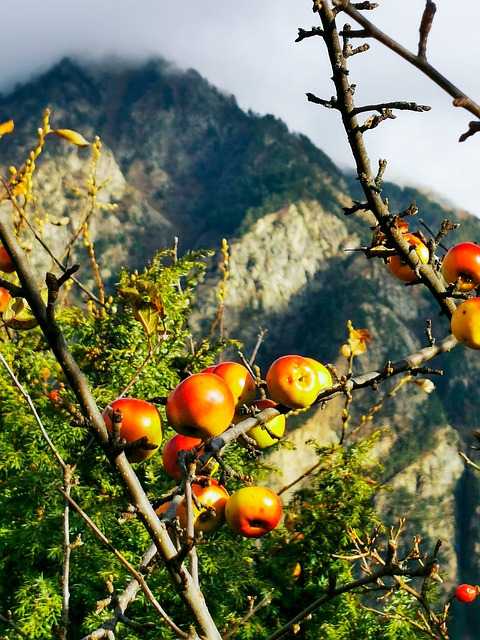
324 375
465 323
140 419
4 299
461 265
238 379
201 406
466 593
293 381
6 264
270 434
253 511
208 508
399 268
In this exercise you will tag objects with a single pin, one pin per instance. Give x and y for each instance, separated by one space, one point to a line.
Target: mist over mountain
181 159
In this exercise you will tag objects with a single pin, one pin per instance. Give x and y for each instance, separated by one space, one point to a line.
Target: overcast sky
247 48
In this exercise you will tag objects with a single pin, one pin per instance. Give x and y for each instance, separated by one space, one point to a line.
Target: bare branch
251 612
181 578
8 620
460 99
400 105
303 33
329 104
425 26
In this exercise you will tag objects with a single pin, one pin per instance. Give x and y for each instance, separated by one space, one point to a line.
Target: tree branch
181 578
460 99
133 572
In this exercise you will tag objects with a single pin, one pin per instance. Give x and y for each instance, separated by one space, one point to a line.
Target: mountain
181 159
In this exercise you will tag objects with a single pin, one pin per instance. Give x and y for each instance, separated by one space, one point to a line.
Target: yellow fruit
465 323
324 376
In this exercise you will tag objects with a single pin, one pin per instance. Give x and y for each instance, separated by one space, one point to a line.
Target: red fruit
4 299
461 264
6 264
201 406
293 381
170 452
466 593
253 511
54 395
140 418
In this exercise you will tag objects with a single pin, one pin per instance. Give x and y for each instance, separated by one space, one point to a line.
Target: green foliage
141 341
114 348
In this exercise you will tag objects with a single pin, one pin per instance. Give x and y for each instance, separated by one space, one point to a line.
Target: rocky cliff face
181 159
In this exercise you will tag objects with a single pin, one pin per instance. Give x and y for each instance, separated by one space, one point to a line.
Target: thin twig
124 599
425 26
469 462
40 240
141 368
67 484
126 564
32 408
265 601
301 477
14 626
400 105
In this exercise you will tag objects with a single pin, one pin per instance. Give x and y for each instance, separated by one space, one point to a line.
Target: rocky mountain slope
181 159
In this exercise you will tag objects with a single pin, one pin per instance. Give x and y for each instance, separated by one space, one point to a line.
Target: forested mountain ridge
182 159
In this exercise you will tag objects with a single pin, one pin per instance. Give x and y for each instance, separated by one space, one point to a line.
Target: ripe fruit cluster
203 406
461 271
461 268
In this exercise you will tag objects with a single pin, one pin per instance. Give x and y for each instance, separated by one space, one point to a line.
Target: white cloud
248 49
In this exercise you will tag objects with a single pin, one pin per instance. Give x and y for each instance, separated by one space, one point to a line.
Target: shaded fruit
399 268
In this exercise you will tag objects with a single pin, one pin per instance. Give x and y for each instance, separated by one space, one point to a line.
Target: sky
248 49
